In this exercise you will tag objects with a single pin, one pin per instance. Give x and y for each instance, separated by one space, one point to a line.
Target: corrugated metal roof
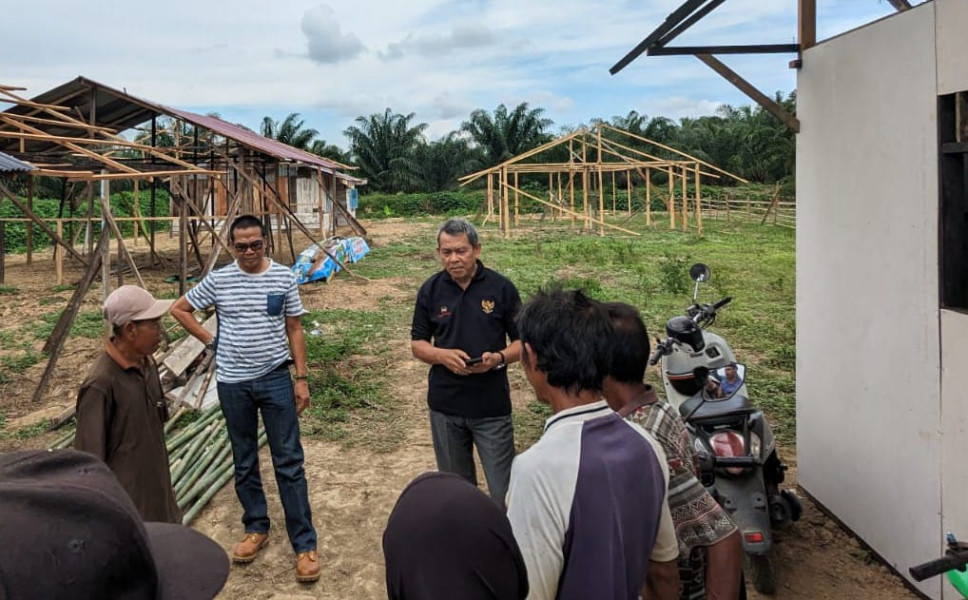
9 164
120 110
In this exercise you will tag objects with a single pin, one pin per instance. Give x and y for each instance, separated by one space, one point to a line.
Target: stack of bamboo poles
199 456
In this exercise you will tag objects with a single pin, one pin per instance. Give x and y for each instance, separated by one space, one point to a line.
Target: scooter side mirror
726 381
699 272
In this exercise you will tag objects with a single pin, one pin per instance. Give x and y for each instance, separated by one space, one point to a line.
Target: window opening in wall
953 212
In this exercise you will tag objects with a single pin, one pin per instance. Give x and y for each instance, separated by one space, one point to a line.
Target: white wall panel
954 427
952 45
868 385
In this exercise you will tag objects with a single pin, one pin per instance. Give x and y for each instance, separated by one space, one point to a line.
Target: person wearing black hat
69 530
121 408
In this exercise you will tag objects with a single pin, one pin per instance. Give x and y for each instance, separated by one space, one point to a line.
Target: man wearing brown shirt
121 408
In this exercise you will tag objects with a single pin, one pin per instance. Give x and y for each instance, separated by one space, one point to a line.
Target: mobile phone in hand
473 361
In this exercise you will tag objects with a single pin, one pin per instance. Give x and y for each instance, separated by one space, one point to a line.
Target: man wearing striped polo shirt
259 336
587 502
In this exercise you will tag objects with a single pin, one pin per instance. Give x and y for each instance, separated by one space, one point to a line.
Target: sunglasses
243 248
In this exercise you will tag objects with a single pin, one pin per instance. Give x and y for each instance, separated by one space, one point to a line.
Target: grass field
754 264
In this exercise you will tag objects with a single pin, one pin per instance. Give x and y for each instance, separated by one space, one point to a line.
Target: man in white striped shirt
259 336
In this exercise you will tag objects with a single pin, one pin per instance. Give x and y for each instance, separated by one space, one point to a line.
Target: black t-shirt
476 320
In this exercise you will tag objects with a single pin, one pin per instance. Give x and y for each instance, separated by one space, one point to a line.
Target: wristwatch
210 344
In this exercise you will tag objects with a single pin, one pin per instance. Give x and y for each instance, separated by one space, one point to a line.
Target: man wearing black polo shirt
463 326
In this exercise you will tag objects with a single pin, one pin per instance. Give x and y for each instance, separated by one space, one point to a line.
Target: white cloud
463 36
677 107
261 58
327 44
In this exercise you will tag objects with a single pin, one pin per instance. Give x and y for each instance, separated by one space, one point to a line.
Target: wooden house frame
593 154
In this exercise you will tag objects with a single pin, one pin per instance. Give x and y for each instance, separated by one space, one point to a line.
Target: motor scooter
738 460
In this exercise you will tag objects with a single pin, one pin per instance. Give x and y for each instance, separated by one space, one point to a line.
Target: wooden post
30 226
672 199
601 185
584 185
614 192
571 195
648 196
516 200
490 195
106 249
137 213
182 243
807 24
59 254
561 200
571 180
685 200
698 202
3 247
628 192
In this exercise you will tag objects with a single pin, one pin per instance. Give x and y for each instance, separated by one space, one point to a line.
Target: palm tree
440 163
384 146
290 131
507 134
332 151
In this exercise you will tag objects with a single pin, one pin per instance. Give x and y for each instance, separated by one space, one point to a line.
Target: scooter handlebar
938 566
722 302
657 355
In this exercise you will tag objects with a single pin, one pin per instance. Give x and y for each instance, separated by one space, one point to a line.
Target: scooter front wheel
760 570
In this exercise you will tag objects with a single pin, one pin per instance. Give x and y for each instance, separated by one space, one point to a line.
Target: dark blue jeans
272 395
454 440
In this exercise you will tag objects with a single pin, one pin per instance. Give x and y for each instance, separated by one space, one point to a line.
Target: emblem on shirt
487 306
444 312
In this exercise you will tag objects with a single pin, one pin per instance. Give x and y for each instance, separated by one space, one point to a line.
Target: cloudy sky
440 59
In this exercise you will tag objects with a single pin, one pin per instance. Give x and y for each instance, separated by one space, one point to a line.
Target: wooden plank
807 24
184 352
56 340
743 49
757 96
122 249
3 249
59 254
30 225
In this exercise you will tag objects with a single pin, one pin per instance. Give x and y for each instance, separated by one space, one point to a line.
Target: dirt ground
353 490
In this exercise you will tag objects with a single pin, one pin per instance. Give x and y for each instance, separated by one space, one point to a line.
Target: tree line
393 154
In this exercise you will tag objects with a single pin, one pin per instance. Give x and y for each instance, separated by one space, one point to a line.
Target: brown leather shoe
250 545
307 567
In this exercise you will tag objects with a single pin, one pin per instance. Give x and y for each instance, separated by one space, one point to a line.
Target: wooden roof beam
750 49
671 22
754 94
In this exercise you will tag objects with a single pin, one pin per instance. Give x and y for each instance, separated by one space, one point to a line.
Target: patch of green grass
64 287
87 324
48 300
31 431
17 363
8 289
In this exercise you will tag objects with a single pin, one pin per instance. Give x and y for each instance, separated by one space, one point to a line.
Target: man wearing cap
260 336
121 408
68 530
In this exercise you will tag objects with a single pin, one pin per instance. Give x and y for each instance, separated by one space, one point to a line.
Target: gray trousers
454 438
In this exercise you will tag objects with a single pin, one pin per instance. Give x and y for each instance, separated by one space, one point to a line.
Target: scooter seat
716 412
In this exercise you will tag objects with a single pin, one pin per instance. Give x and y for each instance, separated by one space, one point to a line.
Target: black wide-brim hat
69 530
